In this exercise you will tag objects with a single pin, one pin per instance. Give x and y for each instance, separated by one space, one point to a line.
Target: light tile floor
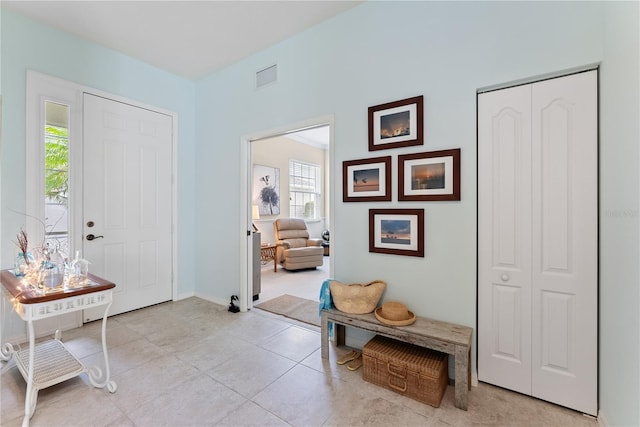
193 363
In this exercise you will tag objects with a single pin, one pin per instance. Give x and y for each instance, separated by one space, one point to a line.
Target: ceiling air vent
266 76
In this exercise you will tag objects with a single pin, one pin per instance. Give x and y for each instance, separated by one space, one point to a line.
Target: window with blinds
304 190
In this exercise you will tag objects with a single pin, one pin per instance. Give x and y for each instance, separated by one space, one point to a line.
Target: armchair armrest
281 246
314 242
285 244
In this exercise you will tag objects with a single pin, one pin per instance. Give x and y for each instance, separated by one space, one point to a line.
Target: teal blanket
326 302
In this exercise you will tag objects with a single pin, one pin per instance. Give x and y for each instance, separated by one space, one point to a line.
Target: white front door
538 240
127 201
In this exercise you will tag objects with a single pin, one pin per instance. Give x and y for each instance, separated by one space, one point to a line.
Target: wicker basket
356 298
407 369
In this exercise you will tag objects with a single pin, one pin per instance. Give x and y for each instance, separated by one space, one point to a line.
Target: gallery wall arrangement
367 180
397 231
396 124
429 176
421 177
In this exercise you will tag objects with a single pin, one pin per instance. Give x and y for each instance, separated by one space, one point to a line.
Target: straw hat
356 298
395 314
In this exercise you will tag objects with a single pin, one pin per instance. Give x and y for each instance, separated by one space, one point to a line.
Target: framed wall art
266 189
429 176
367 180
396 124
397 231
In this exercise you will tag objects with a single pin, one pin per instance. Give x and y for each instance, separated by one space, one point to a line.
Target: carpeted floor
293 307
300 283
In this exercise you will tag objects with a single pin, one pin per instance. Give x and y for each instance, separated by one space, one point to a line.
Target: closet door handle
504 277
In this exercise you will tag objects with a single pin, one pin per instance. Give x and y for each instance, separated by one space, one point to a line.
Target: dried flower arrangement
23 244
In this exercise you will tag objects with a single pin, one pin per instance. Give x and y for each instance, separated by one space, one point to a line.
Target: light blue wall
619 215
385 51
30 45
379 52
374 53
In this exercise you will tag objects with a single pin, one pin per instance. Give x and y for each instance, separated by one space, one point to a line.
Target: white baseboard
211 298
185 296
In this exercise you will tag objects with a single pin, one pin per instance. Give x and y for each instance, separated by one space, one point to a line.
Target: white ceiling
187 38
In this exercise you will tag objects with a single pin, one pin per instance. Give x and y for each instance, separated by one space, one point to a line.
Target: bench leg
339 330
324 336
469 366
462 376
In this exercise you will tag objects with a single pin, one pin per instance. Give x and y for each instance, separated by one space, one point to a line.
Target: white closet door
504 248
537 240
565 238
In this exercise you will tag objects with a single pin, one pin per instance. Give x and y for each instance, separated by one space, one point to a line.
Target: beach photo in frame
396 124
430 176
397 231
367 180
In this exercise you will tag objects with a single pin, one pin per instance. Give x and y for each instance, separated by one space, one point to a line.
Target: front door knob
92 237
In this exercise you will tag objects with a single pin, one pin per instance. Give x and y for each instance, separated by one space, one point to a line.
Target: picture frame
266 189
397 231
367 180
429 176
396 124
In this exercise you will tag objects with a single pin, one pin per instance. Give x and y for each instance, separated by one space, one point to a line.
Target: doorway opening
289 175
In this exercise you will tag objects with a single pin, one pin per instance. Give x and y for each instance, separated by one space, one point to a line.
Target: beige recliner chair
294 249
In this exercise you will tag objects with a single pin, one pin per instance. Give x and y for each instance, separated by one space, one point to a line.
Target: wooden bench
442 336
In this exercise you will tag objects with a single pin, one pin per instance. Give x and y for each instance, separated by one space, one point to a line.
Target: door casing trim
246 267
38 88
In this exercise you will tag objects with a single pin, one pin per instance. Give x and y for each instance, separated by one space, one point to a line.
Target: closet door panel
565 226
504 224
538 240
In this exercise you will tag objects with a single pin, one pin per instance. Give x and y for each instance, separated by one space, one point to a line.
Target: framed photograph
397 231
429 176
266 189
396 124
367 180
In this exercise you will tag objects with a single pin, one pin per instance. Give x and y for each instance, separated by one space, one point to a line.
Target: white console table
48 363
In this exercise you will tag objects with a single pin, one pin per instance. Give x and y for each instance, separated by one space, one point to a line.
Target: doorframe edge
246 268
80 89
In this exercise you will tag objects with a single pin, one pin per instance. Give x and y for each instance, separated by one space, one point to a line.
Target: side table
268 253
326 246
50 362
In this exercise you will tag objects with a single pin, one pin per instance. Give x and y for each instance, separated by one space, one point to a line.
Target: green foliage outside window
56 164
